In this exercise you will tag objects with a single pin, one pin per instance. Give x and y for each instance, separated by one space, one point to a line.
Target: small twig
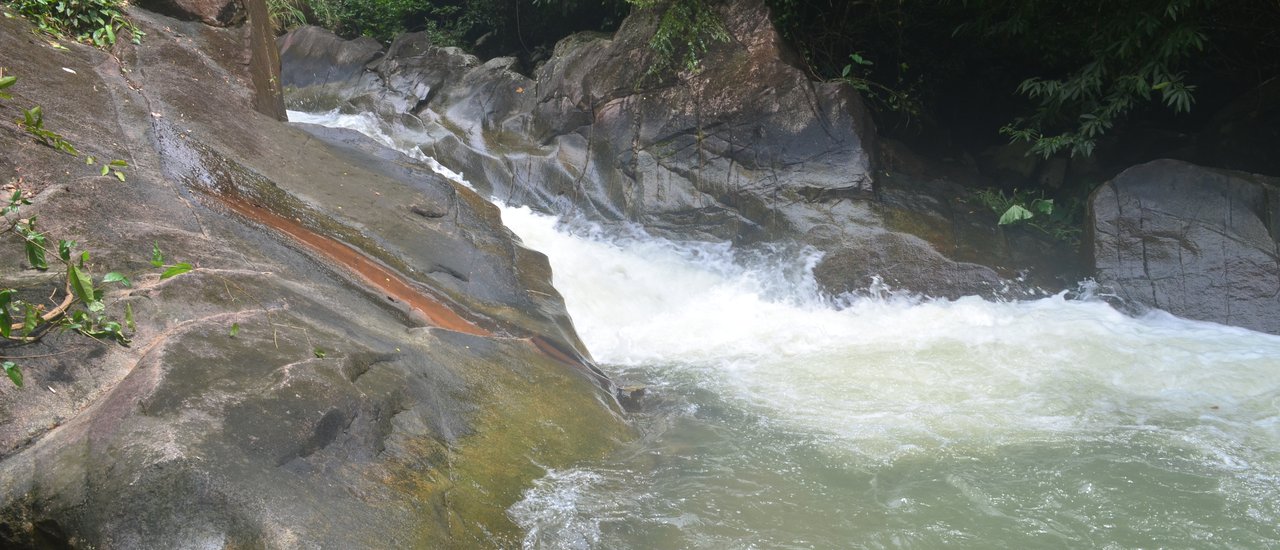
63 352
46 318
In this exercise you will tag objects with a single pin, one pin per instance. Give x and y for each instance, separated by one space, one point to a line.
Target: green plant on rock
81 307
96 22
686 30
5 83
902 98
79 303
1033 209
33 123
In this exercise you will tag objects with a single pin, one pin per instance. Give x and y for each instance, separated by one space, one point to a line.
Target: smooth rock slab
278 395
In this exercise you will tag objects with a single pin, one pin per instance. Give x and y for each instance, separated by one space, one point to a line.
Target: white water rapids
775 419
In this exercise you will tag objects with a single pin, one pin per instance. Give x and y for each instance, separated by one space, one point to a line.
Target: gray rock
1197 242
319 57
713 154
397 433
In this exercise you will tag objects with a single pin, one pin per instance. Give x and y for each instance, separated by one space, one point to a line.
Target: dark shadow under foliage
1095 84
1120 75
527 29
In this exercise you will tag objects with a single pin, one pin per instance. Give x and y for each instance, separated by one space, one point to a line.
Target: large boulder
363 356
1197 242
319 58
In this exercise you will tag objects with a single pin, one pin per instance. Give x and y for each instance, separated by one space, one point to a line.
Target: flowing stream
774 418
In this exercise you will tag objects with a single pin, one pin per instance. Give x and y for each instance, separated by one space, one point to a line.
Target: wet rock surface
748 149
335 416
1197 242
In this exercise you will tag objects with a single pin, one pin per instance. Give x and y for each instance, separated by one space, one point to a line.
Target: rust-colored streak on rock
386 281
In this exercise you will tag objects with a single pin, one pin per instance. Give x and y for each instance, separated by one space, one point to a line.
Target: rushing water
777 419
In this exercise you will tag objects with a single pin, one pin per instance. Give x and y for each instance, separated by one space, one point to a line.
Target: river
774 417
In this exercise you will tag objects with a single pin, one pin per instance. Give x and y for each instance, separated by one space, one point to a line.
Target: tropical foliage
97 22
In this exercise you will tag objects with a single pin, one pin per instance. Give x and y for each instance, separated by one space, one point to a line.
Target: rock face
748 149
699 154
1197 242
218 13
400 366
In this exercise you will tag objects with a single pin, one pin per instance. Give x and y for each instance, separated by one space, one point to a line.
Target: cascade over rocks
402 367
748 149
1197 242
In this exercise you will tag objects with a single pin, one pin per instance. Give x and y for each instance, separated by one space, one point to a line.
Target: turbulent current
777 418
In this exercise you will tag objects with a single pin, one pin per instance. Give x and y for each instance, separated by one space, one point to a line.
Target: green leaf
7 81
235 329
320 354
157 259
34 117
11 369
118 174
128 318
6 320
105 169
1014 214
1044 206
175 270
35 253
30 319
119 163
81 284
116 277
64 249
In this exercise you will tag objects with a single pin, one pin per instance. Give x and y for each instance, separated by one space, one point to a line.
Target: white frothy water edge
932 371
889 378
370 125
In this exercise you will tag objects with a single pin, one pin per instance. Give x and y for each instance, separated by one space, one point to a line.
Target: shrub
96 22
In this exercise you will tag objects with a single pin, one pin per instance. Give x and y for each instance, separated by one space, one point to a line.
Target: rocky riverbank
362 356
